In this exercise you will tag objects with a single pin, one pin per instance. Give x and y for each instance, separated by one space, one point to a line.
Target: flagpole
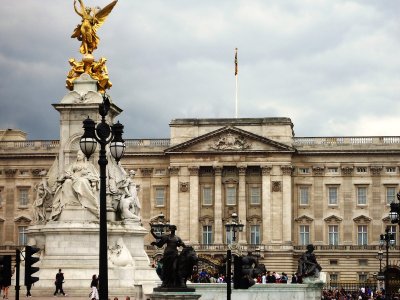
236 84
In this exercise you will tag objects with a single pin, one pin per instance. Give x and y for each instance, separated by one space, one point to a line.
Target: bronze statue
248 270
92 19
308 265
174 268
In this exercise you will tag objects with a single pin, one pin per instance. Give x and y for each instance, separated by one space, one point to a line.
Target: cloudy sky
333 67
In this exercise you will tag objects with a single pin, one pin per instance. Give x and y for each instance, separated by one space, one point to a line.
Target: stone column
218 230
194 205
174 195
242 205
286 203
266 204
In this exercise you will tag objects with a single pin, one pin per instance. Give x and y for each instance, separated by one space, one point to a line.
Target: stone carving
230 142
10 172
119 255
376 170
308 265
173 170
347 170
318 170
43 200
174 269
146 172
129 204
287 170
276 186
184 186
78 186
266 170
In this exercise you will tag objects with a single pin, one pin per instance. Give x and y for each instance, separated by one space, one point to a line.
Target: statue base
176 293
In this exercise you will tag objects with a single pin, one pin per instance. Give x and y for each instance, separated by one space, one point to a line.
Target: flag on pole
236 62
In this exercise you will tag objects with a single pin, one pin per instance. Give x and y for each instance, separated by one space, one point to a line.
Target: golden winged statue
92 19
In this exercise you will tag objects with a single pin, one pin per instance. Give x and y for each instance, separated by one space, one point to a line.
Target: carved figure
174 267
129 204
77 68
99 72
92 19
119 254
43 196
308 265
78 186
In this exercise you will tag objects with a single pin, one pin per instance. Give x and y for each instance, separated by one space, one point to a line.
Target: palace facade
333 192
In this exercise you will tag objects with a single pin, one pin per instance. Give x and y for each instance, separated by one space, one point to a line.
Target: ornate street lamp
160 225
234 226
388 241
103 134
380 276
394 214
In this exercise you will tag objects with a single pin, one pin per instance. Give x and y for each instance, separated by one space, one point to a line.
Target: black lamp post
160 225
103 134
387 240
234 226
394 213
380 276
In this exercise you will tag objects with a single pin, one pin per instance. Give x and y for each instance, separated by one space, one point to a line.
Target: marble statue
308 265
79 185
43 196
92 19
119 255
129 204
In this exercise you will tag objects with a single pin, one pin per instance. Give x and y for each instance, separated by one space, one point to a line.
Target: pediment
362 219
304 219
21 219
333 219
229 139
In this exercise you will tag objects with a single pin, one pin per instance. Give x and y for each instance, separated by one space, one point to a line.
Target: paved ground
22 297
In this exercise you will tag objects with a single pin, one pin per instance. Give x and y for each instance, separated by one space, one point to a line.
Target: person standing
59 282
94 285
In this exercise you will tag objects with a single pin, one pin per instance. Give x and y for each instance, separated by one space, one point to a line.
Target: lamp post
394 213
103 134
234 226
380 276
387 240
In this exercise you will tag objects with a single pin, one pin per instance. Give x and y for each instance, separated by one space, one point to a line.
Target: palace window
362 277
333 234
255 234
390 169
207 194
332 195
160 196
230 195
255 195
304 170
361 170
362 235
392 230
304 195
207 234
333 277
390 194
333 170
361 195
304 237
23 196
22 235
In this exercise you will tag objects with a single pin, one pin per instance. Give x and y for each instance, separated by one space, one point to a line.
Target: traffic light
29 261
5 270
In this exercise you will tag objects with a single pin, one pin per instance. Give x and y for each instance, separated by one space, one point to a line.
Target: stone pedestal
73 245
178 294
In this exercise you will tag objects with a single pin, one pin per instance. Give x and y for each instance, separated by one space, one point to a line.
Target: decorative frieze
218 170
10 172
347 170
183 187
318 170
242 170
376 170
173 170
276 186
37 172
230 142
146 172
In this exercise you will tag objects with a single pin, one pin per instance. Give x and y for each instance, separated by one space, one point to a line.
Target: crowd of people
364 293
205 276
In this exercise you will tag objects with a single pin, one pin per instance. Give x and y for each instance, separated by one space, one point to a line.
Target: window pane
304 194
255 234
231 195
332 195
255 195
22 238
392 230
304 235
362 235
23 197
207 234
390 194
362 195
207 195
333 234
160 196
229 235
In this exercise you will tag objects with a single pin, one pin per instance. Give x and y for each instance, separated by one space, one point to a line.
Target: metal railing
350 140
